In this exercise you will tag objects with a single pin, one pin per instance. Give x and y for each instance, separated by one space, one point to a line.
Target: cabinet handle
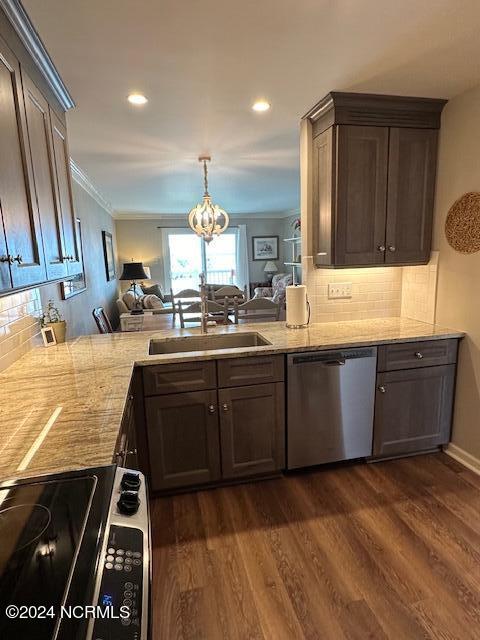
392 248
382 389
225 407
5 259
418 355
381 247
11 259
211 408
18 259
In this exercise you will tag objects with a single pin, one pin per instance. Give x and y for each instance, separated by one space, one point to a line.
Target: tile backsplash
376 292
19 325
419 290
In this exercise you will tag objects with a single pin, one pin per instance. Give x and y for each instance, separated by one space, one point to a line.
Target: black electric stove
75 557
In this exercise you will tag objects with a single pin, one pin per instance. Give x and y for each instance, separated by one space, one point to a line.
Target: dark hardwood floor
388 550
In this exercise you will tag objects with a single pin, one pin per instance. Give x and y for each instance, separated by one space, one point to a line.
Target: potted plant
52 317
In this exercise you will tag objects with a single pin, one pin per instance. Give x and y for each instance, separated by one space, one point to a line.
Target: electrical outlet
339 290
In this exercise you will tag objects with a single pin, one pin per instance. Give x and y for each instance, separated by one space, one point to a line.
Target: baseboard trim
463 457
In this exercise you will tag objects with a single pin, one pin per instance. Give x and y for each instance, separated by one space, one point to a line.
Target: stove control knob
128 503
131 481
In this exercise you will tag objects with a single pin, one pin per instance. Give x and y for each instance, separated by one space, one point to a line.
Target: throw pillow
153 290
151 301
129 299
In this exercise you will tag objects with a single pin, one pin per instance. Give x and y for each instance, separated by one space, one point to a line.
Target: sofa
275 293
151 298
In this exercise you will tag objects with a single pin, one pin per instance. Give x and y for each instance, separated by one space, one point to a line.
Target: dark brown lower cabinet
413 409
252 429
183 439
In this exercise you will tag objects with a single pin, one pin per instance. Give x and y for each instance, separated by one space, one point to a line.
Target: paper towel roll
297 306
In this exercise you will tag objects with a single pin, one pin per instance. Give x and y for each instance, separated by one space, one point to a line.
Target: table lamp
134 271
270 268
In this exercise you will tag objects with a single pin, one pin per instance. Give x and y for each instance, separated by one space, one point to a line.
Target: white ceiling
202 64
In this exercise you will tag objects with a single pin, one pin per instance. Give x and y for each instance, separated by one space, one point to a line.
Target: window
189 256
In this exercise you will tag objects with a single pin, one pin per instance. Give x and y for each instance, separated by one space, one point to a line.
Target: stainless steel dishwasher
330 406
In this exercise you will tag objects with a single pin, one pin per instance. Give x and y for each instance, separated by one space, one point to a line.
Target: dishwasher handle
333 363
331 358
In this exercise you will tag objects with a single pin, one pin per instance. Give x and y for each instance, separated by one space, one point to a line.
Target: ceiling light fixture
207 219
137 99
261 105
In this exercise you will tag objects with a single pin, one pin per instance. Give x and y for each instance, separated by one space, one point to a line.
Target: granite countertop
61 407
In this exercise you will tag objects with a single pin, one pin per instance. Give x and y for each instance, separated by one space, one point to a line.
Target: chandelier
207 219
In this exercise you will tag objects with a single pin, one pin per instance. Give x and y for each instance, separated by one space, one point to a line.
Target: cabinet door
362 160
252 429
411 187
65 196
20 219
323 177
39 135
183 439
413 409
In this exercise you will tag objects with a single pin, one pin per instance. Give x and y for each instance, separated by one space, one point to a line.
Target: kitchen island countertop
61 407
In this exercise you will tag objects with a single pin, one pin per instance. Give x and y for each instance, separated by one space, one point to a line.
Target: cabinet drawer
178 377
410 355
236 372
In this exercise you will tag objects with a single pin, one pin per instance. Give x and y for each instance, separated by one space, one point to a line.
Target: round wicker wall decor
462 227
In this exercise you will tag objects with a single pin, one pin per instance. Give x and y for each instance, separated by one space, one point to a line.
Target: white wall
458 292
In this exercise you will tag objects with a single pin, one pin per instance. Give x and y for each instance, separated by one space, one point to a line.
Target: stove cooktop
44 524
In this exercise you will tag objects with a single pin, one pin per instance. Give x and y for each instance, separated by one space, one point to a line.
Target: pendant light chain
205 177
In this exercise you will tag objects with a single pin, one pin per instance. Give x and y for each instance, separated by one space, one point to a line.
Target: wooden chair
256 309
216 311
184 294
101 318
229 291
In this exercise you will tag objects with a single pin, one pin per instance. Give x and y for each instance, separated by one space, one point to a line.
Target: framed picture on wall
77 284
265 247
108 255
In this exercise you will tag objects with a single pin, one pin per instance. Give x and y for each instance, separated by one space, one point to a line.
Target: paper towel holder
305 325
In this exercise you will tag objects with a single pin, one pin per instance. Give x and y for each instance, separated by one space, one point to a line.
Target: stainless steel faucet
203 304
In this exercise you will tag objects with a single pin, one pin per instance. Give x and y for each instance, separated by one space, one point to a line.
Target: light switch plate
339 290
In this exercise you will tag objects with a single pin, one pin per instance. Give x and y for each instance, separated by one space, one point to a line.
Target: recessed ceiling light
261 105
137 98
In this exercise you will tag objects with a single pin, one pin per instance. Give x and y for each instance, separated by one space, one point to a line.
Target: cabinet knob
382 389
211 408
18 259
225 407
392 248
381 247
418 355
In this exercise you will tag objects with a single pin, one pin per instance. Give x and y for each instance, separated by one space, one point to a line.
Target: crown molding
87 185
27 33
261 215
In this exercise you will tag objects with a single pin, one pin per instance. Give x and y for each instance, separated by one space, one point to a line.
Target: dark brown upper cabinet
41 150
411 189
21 252
373 179
64 193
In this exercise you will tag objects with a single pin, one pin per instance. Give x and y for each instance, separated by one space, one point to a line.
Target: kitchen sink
206 343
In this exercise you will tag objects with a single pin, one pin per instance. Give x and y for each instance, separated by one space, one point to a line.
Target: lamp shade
133 271
270 267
